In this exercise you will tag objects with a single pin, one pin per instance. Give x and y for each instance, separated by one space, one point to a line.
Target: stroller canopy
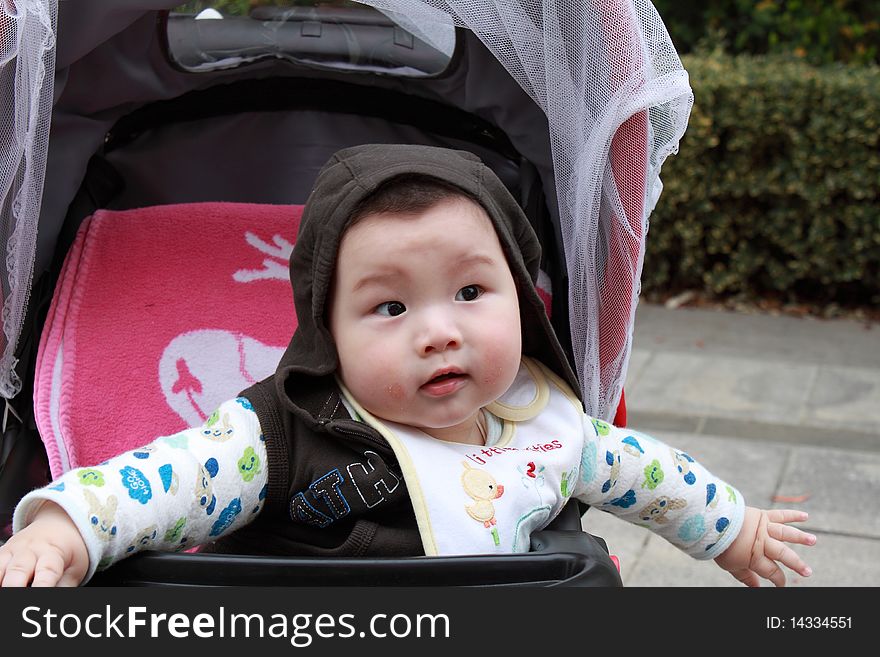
591 92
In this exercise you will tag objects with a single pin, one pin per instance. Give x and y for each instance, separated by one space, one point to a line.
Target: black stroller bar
559 557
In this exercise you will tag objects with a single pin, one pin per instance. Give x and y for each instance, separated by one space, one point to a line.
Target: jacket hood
310 360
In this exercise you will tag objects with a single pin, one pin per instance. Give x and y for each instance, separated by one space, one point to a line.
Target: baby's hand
761 543
48 552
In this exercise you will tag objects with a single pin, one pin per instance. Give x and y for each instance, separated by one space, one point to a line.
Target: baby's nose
441 333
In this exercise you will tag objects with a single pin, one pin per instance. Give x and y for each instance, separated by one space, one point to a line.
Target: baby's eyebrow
476 259
386 275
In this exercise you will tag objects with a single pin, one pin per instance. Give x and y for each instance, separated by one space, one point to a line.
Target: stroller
170 120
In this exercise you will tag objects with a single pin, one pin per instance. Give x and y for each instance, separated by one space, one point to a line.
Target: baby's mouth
445 377
444 382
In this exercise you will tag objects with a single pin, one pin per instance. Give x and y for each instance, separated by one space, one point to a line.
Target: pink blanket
159 315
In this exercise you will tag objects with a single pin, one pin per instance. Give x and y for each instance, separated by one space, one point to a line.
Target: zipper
340 427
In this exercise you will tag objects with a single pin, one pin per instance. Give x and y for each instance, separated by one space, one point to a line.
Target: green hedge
819 31
776 188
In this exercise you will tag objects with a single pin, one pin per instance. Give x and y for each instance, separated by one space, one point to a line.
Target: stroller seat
160 314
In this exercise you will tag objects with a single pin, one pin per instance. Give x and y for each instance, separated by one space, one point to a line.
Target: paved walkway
784 408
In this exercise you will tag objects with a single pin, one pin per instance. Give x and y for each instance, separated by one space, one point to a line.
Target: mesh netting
604 71
27 66
617 99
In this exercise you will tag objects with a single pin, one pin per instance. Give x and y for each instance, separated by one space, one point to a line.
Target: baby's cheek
395 392
492 372
500 364
386 387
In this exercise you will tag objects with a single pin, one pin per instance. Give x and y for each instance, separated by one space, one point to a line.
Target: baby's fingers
49 570
781 533
747 577
767 566
790 534
780 552
787 515
18 568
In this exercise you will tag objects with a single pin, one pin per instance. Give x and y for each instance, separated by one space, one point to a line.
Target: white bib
470 499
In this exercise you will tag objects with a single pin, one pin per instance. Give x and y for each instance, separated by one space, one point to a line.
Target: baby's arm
173 494
651 484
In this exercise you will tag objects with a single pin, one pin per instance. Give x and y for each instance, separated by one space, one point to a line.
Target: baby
423 406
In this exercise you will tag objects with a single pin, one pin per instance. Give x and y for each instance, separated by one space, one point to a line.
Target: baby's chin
445 422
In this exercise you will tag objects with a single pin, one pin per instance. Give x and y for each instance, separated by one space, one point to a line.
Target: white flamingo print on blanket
201 368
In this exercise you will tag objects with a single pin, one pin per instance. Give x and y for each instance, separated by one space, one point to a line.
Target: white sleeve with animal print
651 484
173 494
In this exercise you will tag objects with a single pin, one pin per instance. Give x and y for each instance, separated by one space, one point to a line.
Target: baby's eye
469 293
391 308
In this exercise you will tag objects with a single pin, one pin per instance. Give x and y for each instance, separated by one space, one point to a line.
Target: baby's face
425 317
